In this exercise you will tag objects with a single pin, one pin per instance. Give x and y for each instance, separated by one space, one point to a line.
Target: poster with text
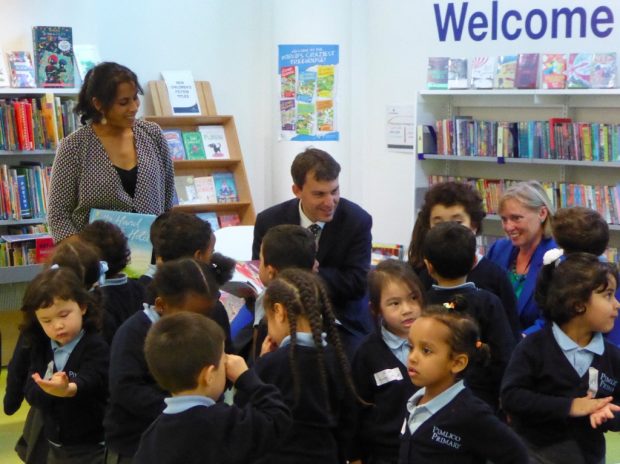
307 75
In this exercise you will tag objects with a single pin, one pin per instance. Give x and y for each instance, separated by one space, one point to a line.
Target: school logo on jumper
446 438
607 383
72 375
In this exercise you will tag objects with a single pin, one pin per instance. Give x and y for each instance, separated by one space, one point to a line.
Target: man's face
319 198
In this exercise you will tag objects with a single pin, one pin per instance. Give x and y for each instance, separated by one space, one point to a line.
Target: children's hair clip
478 344
552 256
54 266
449 305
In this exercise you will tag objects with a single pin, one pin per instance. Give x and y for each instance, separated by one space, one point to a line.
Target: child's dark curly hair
111 242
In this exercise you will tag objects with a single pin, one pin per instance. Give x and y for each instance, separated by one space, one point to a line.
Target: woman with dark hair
114 161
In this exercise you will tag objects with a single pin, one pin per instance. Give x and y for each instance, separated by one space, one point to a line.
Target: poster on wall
308 77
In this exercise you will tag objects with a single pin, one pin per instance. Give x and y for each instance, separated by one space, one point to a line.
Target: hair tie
449 305
103 268
54 266
478 344
553 256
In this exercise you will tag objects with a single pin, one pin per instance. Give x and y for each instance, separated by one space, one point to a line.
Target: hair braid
292 321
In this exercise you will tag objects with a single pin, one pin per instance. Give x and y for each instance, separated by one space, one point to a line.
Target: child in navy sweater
68 365
562 385
194 428
313 376
446 422
135 399
379 365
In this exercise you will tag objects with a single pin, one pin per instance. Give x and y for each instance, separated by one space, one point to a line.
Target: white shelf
494 159
17 274
520 92
21 222
496 218
38 91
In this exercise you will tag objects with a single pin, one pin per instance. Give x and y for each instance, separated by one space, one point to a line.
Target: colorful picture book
457 73
482 72
437 73
287 114
22 71
211 218
214 142
306 86
225 187
506 71
5 81
205 189
186 190
174 137
245 282
287 81
86 58
325 115
194 149
527 71
578 70
325 81
231 219
553 74
136 228
603 74
53 56
25 249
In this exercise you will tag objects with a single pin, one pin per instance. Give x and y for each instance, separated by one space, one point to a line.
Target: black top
465 431
220 433
17 373
379 424
129 179
540 385
75 420
119 303
487 311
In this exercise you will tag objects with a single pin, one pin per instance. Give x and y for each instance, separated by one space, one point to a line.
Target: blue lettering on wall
458 21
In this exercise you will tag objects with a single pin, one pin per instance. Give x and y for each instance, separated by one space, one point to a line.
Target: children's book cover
287 81
214 142
4 73
136 228
305 118
22 71
604 68
553 71
437 73
578 71
325 115
287 114
457 73
325 81
527 71
205 189
53 56
227 220
225 187
506 72
174 137
186 190
211 218
86 57
307 86
245 282
482 72
194 148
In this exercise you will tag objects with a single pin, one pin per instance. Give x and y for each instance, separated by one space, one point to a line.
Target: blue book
211 218
225 187
24 200
136 228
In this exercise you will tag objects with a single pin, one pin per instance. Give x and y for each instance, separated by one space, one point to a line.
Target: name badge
387 375
593 381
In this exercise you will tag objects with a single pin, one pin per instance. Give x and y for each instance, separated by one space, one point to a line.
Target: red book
552 123
44 247
227 220
29 124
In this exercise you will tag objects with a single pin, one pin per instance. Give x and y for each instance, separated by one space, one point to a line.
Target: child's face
399 307
62 321
455 213
430 363
602 308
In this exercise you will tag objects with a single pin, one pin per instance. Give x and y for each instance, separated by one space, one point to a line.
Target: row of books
25 249
23 191
603 198
35 123
525 71
208 142
219 221
557 138
217 188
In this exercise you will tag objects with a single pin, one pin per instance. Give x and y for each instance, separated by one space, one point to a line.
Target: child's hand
602 415
587 405
235 366
268 346
58 385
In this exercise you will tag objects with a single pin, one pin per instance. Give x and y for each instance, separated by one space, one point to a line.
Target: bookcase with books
32 121
568 139
210 176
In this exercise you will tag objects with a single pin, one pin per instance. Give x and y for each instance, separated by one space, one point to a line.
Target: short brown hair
179 346
580 229
317 161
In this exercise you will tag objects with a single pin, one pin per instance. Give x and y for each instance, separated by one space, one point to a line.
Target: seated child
380 363
449 253
122 296
562 385
194 428
446 422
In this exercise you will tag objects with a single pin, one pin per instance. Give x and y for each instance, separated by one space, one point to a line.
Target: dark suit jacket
343 254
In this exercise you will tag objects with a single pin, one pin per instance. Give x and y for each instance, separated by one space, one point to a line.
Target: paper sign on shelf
181 92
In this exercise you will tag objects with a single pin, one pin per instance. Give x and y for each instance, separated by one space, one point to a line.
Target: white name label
388 375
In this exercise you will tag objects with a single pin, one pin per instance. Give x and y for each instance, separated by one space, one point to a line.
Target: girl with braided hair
310 369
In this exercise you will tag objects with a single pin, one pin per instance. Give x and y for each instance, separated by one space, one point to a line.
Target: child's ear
272 272
202 256
429 267
160 306
206 376
83 309
459 363
280 313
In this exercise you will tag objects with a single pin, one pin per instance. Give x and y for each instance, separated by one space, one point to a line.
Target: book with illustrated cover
604 68
5 81
305 118
225 187
482 72
287 114
194 149
174 137
457 73
527 71
205 189
553 71
306 87
53 56
437 73
578 70
227 220
245 282
211 218
325 81
136 228
325 115
186 190
506 72
287 81
22 71
86 58
214 142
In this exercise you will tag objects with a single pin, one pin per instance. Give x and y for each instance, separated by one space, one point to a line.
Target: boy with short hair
194 428
449 254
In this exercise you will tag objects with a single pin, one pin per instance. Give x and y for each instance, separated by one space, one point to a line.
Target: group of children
439 380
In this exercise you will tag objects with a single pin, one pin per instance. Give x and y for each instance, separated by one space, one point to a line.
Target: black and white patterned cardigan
83 177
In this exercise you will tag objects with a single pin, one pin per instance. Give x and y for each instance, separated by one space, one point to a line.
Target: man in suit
342 231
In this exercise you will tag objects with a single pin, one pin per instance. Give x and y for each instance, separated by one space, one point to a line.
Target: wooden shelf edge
213 207
205 163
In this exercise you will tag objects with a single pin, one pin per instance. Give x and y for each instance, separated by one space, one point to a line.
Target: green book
194 149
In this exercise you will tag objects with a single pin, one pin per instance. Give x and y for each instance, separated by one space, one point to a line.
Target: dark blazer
343 254
503 253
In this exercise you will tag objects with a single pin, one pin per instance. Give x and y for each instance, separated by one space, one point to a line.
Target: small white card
388 375
50 371
593 381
